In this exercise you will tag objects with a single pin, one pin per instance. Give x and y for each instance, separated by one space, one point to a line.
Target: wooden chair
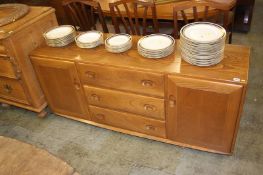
83 14
212 12
121 12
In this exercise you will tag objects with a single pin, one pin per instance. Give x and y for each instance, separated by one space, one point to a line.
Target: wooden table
20 158
165 99
165 10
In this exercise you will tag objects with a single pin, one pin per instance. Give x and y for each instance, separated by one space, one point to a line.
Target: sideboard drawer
122 79
6 68
128 121
12 89
138 104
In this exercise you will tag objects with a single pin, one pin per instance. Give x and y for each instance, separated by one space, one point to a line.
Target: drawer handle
90 74
172 101
149 127
148 107
100 116
8 89
147 83
94 97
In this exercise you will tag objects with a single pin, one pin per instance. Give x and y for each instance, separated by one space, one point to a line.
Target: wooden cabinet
166 99
19 85
202 113
62 87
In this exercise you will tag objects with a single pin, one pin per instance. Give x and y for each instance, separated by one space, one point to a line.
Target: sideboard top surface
33 15
233 68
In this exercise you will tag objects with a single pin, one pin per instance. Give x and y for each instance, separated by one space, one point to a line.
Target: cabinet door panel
61 86
202 113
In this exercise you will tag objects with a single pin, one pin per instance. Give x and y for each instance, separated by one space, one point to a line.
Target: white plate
203 32
118 40
59 32
89 37
155 42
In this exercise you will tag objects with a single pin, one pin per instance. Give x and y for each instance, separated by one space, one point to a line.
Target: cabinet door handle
90 74
76 84
148 107
8 89
149 127
172 101
147 83
100 116
94 97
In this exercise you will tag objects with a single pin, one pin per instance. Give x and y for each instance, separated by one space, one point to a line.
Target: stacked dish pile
118 43
202 43
89 39
156 46
60 36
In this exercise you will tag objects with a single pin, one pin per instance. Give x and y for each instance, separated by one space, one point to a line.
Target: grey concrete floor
96 151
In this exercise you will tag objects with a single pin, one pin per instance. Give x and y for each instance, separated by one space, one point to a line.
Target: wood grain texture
128 121
202 113
127 102
21 158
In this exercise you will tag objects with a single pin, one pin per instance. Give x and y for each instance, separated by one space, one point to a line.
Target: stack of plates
202 43
118 43
60 36
89 39
156 46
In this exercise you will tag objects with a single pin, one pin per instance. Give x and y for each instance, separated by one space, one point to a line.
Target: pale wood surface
234 65
20 158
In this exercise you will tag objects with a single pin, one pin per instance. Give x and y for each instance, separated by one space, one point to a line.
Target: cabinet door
202 113
61 86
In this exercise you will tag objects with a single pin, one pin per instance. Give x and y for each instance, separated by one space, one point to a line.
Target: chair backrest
134 16
201 11
83 14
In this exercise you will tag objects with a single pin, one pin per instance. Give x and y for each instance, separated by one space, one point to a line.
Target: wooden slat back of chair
130 19
212 12
82 13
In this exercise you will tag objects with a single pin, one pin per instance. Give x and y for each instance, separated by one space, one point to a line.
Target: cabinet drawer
128 121
6 68
123 79
12 89
138 104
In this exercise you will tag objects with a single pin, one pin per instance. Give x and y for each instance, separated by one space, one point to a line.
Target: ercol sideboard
18 83
165 99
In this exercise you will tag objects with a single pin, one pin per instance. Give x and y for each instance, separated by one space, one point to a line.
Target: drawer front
122 79
12 90
6 68
138 104
128 121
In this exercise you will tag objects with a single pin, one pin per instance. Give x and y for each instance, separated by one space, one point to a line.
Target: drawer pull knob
94 97
8 89
150 127
100 116
148 107
147 83
172 101
90 74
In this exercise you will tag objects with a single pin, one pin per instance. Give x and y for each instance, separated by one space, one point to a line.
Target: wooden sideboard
18 83
165 99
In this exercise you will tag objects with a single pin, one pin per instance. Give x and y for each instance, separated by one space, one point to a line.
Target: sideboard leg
42 114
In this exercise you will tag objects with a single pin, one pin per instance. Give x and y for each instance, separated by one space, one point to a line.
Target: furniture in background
222 15
166 99
18 83
83 13
129 17
243 16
